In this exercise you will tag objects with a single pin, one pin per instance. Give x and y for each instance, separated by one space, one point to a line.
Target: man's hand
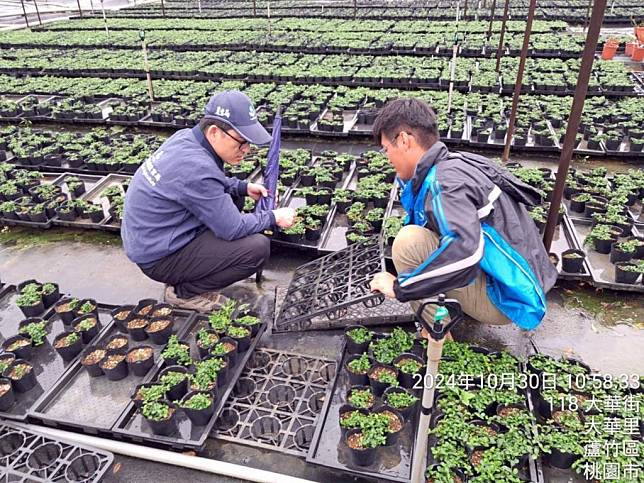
256 191
383 282
284 217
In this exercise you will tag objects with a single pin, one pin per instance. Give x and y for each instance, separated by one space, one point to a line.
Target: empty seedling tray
47 363
187 436
393 462
95 196
90 181
276 402
324 293
28 456
94 405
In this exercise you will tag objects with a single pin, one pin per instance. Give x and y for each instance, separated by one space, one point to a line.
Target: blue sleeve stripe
438 207
443 245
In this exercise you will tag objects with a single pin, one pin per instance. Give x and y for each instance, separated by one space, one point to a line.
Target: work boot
204 303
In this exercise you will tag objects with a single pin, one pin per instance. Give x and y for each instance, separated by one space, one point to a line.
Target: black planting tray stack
276 401
94 405
48 365
322 292
189 436
28 456
393 462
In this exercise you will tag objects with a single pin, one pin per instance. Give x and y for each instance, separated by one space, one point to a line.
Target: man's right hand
284 217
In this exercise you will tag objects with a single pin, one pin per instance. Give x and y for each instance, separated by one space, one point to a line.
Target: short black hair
206 122
407 114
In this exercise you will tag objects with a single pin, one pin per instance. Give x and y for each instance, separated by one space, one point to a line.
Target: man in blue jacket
182 223
468 233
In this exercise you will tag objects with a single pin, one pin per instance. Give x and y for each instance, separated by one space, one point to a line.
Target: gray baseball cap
236 109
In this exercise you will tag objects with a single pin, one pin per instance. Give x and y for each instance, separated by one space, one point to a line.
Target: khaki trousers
412 246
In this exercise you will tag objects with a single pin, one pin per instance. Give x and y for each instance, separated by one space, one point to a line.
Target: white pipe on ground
168 457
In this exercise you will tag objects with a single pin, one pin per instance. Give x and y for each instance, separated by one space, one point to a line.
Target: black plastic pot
243 343
89 334
137 333
142 307
23 352
204 351
364 457
347 408
577 206
26 382
254 328
354 378
8 398
406 412
159 337
377 386
94 369
167 426
617 255
116 337
359 388
352 346
199 417
120 323
177 391
603 246
119 371
68 352
623 276
82 302
49 300
407 380
572 265
173 362
140 368
33 310
232 355
162 310
66 317
392 437
559 459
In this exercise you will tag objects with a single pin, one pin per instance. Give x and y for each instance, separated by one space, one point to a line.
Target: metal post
355 9
498 51
80 10
254 8
38 13
91 5
489 29
519 81
163 8
465 11
107 30
25 12
590 3
268 13
574 118
199 3
452 72
146 64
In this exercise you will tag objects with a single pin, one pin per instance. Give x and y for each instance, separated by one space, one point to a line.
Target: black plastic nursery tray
91 181
29 456
48 365
393 463
94 196
324 290
276 402
48 178
601 268
132 425
94 405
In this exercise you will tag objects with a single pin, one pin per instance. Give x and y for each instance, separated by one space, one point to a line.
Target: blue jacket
478 210
179 192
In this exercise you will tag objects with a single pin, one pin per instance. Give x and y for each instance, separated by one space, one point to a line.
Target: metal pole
498 51
355 9
590 3
107 30
91 5
574 118
199 3
254 8
452 72
38 13
268 12
163 8
465 11
25 12
146 65
519 80
489 29
80 10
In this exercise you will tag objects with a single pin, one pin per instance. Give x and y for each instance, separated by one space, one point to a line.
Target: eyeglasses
384 149
242 144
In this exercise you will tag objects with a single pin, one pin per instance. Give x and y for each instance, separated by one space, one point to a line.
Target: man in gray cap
182 223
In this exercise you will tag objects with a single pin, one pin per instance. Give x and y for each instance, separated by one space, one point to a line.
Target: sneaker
204 303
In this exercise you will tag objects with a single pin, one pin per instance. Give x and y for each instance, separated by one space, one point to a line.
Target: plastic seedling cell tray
48 365
94 404
393 463
188 436
94 196
276 402
601 268
29 456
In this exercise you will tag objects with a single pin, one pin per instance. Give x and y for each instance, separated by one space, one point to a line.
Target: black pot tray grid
133 426
93 405
27 455
328 285
276 402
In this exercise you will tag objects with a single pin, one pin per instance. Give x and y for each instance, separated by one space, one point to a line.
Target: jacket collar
199 135
437 152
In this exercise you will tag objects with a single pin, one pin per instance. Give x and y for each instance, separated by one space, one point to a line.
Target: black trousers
208 263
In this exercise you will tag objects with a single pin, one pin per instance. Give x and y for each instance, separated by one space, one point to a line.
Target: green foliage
172 378
86 324
237 332
155 411
360 335
360 365
248 320
198 401
361 398
409 366
400 400
177 351
37 332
